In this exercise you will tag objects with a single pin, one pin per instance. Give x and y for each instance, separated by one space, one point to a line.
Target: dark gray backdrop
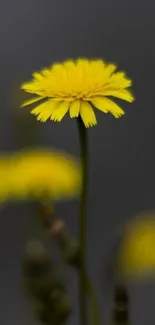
34 34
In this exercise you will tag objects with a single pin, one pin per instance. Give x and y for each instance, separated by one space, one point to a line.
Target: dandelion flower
4 178
137 253
43 172
39 174
76 87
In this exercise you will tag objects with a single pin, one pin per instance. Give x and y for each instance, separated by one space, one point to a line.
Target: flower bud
57 228
43 311
39 287
62 305
70 252
46 214
36 260
42 286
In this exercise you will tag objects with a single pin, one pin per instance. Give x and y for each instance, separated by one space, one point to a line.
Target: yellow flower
77 86
4 178
43 172
39 174
137 253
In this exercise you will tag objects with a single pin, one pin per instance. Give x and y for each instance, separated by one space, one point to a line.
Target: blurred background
33 34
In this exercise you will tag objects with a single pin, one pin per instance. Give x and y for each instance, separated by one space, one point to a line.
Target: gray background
33 34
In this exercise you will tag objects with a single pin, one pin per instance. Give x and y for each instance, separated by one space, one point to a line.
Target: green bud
46 213
70 252
61 304
41 287
36 260
57 284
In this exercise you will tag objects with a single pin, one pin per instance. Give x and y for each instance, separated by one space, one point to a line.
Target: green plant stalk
95 315
82 221
85 286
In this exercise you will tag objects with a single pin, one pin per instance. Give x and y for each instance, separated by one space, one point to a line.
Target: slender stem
82 222
95 315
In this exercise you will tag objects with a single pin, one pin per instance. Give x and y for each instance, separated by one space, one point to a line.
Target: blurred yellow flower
136 256
4 178
40 174
75 87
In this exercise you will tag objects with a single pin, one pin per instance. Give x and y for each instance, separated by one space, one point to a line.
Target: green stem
82 225
95 318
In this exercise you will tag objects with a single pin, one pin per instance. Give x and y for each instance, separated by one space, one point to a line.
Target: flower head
41 174
76 87
137 252
4 178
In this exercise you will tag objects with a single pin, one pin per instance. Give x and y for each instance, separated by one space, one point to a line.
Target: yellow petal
97 64
60 111
46 73
75 108
87 114
98 103
120 93
45 110
118 81
31 101
31 86
57 69
109 70
69 65
106 105
38 76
